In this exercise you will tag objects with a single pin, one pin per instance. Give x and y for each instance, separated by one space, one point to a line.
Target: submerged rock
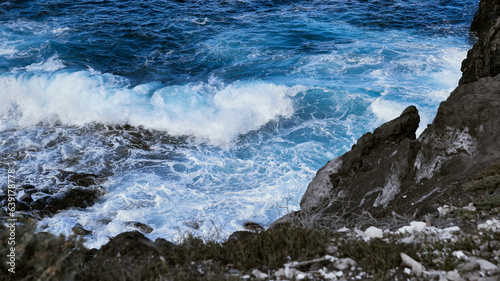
78 230
141 226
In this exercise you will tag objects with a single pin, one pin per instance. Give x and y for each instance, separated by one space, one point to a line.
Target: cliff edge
390 170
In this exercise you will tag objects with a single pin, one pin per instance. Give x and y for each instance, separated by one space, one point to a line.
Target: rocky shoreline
395 207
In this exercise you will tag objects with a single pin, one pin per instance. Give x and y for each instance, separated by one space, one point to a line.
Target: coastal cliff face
391 170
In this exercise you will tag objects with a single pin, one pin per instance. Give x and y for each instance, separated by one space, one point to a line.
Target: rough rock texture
371 174
484 59
71 190
390 170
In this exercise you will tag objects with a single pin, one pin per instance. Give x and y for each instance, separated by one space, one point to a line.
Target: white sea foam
215 113
7 51
386 110
50 65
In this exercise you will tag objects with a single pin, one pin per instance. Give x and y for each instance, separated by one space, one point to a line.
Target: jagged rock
80 179
390 170
77 197
484 59
371 173
253 226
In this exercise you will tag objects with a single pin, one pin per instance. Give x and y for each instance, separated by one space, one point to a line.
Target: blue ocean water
234 104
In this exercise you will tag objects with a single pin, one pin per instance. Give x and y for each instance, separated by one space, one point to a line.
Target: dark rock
141 226
78 230
241 235
132 244
80 179
137 143
484 58
28 188
22 206
26 198
77 197
371 174
390 170
164 246
193 224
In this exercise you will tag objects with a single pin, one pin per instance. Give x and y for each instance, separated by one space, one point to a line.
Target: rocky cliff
392 170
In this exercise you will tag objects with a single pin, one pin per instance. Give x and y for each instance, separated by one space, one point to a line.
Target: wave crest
210 111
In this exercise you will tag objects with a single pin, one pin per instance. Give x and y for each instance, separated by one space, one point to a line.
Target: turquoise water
238 102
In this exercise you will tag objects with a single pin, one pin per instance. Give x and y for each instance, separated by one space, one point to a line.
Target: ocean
203 115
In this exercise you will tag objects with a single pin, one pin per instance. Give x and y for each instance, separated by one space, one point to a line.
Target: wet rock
29 188
141 226
78 230
77 197
193 224
26 198
80 179
253 226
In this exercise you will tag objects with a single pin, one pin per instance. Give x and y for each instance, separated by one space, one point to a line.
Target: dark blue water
238 102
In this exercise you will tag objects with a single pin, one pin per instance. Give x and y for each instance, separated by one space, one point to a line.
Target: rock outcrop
484 59
391 170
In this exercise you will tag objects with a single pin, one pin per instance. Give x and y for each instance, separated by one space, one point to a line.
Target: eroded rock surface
390 170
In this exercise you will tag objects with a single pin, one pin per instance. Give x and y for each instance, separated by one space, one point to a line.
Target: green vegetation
487 180
488 183
271 248
378 256
488 201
